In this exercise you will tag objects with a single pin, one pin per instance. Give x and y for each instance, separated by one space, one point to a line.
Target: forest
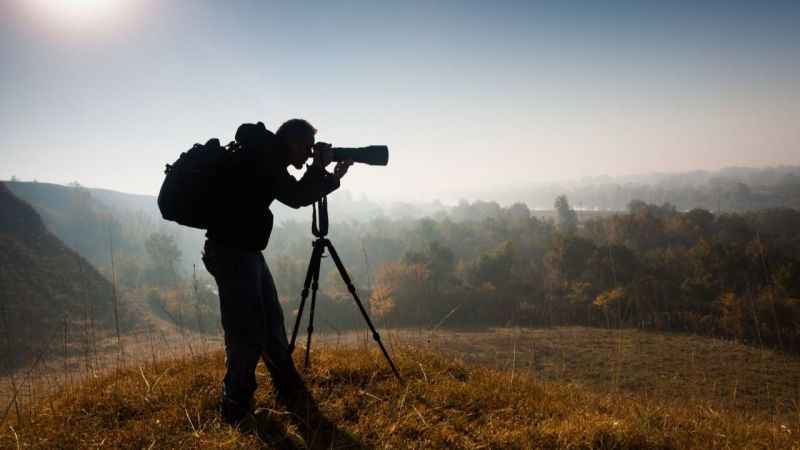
734 275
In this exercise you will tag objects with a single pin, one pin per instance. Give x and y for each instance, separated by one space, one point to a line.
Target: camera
374 155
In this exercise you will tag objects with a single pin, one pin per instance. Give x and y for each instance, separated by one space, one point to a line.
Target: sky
468 95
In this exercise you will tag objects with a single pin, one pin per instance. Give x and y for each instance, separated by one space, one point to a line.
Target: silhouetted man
252 318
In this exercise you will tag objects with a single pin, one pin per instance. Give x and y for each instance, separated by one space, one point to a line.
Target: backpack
190 193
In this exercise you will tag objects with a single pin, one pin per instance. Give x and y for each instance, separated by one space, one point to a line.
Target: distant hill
122 201
86 219
725 190
90 221
56 197
42 283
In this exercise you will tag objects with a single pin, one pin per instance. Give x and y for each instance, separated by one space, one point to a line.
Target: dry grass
444 403
688 369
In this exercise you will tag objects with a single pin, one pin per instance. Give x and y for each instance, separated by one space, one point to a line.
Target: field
523 388
689 369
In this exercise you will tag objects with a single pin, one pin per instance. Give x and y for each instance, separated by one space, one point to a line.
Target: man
252 318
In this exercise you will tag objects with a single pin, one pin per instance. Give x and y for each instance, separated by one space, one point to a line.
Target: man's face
300 150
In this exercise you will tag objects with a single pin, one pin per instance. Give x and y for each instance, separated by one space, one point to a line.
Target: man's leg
239 384
276 350
238 276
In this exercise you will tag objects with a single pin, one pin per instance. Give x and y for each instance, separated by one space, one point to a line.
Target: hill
55 198
45 285
443 403
88 220
728 189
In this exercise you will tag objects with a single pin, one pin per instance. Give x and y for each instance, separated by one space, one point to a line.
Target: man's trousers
252 320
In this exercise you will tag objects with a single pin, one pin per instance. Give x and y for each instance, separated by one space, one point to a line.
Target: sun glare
81 15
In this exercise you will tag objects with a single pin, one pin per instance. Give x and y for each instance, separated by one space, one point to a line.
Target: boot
233 412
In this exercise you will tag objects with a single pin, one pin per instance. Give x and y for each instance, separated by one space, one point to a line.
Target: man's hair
295 128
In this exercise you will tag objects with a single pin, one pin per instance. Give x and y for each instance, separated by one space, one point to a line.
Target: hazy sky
468 95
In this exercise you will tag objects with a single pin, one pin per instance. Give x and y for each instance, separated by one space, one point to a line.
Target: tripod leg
318 251
303 296
352 289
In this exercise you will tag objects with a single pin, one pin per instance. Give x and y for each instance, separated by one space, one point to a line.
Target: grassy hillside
443 403
44 284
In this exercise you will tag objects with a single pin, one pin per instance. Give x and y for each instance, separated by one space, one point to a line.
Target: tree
164 255
567 218
437 259
611 302
493 267
400 293
289 274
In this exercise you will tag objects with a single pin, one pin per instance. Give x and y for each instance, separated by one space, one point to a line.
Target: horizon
509 195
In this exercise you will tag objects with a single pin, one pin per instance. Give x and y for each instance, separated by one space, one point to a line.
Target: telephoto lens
374 155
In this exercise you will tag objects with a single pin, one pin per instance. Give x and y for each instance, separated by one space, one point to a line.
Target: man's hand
322 154
341 168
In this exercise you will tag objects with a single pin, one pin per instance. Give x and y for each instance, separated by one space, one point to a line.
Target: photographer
252 318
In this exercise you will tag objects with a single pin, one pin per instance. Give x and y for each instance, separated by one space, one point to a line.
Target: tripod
312 278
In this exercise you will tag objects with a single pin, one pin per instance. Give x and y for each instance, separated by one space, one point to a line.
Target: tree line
734 275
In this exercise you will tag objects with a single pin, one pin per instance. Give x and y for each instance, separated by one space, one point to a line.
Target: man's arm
313 185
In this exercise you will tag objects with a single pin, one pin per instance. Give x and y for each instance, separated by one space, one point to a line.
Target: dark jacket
256 178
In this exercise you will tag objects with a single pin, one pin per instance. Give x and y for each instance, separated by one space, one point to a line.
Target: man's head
298 136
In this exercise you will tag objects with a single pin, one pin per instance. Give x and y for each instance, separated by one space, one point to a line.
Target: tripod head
320 213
